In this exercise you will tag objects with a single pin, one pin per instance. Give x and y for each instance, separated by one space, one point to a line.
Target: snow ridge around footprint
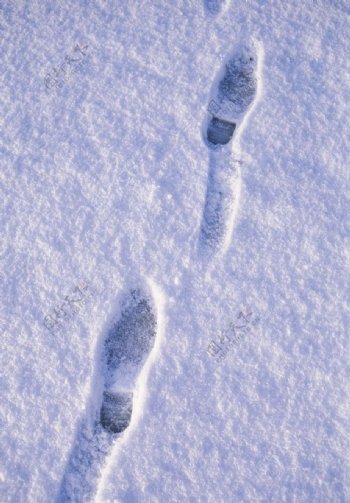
123 355
232 99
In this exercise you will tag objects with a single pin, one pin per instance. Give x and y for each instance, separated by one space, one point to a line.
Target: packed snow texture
103 181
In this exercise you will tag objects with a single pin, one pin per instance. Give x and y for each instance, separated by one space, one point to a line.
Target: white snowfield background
103 183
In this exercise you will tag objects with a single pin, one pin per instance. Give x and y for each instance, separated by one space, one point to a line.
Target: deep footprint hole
220 132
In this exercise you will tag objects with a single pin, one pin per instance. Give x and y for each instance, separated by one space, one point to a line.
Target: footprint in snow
126 348
214 7
232 98
125 351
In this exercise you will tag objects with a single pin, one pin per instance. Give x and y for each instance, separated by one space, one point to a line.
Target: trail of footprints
131 339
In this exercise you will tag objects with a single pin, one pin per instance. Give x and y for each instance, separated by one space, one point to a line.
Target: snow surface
103 183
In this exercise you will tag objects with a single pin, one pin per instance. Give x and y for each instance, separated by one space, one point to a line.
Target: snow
103 183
